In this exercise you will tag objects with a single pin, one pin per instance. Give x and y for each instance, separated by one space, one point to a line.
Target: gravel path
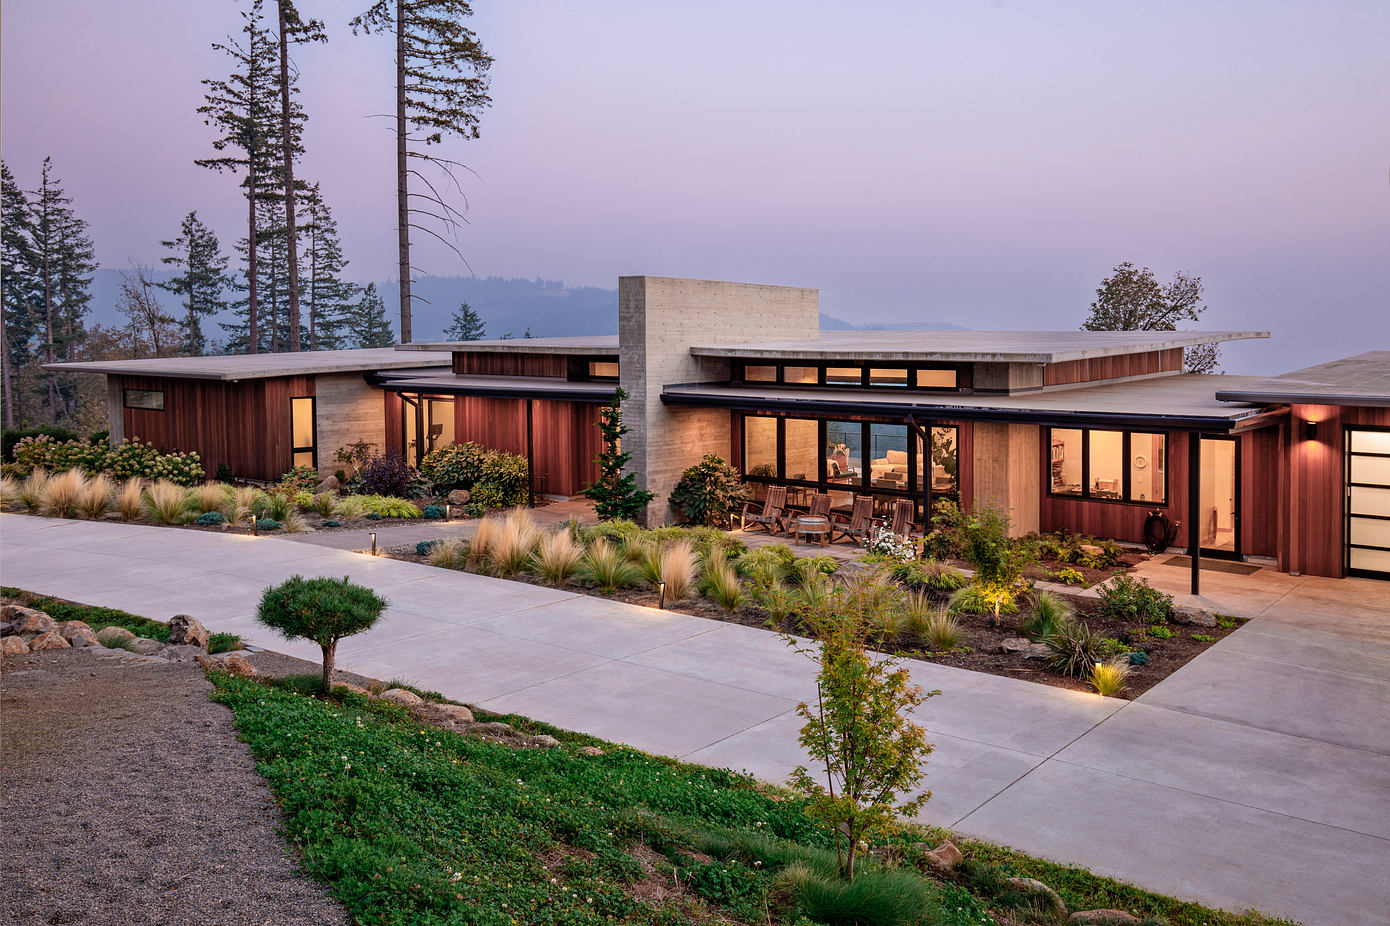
128 799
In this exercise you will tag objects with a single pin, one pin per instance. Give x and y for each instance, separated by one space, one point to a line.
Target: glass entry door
1368 503
1219 497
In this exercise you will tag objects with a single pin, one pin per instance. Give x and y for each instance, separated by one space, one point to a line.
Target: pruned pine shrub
323 610
606 567
62 494
1108 678
942 631
678 569
166 502
515 541
130 500
450 553
9 493
721 584
1075 648
97 497
557 557
31 492
210 496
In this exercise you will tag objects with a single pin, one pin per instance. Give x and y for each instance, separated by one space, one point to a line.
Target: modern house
1087 431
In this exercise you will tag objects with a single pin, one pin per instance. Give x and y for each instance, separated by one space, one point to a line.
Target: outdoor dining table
808 527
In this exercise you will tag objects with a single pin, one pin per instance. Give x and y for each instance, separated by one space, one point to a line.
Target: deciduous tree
1133 300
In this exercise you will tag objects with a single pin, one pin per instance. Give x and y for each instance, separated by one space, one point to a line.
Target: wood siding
245 425
565 437
509 364
1113 367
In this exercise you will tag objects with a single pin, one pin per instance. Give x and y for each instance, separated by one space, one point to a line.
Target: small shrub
130 500
12 436
678 569
1136 602
1204 638
424 547
166 502
385 507
505 482
709 493
891 547
62 494
1138 658
434 512
976 598
1108 678
210 519
385 474
1069 576
97 498
455 466
299 479
223 643
1159 632
323 610
942 631
557 557
605 567
1049 612
451 553
210 496
1076 647
883 897
331 523
720 583
267 524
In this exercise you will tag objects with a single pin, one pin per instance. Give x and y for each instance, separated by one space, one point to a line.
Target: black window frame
578 368
961 370
313 449
125 399
1126 477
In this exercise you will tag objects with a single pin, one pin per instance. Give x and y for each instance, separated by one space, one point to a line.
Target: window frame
312 449
125 400
578 368
961 371
1126 469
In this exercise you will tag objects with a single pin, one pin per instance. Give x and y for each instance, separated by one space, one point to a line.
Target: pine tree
366 321
202 277
441 89
330 298
18 286
616 495
63 257
467 325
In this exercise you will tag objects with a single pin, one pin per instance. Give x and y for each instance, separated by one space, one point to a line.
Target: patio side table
808 528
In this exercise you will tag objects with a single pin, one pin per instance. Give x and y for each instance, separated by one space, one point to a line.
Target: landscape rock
1050 899
80 637
181 652
402 697
26 620
234 663
329 483
185 629
13 646
50 639
1101 918
945 857
355 689
455 712
1091 550
589 751
144 646
1196 617
494 728
542 741
1026 647
114 636
459 497
68 628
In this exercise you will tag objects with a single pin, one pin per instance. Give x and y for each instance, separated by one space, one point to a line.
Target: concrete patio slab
603 633
743 657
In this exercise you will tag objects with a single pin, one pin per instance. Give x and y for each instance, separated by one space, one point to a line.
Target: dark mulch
129 800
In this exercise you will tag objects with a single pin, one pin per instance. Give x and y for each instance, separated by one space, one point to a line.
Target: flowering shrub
299 479
890 546
128 459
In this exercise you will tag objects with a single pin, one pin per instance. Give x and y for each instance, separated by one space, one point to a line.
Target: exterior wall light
1310 430
661 595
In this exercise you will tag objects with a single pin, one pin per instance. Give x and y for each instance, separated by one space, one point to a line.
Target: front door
1219 498
1368 503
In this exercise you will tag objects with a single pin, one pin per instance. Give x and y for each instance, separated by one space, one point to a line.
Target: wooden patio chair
860 524
904 513
820 506
769 514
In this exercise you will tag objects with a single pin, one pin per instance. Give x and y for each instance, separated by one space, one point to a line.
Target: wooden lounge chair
904 511
769 514
861 521
820 505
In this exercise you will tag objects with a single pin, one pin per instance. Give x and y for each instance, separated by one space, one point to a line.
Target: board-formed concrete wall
1007 473
348 410
659 320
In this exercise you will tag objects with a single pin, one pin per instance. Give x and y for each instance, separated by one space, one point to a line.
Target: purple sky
966 162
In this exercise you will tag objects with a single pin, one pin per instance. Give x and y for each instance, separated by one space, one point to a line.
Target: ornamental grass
678 568
210 496
607 568
97 497
557 557
942 631
31 492
450 553
166 502
721 584
9 493
488 528
63 493
1108 678
511 548
130 500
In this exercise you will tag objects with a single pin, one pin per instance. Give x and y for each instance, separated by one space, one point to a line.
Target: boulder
236 664
50 639
944 858
329 483
1101 918
1025 647
542 741
181 652
80 637
494 729
1091 550
26 620
186 630
1049 900
114 637
402 697
355 689
1196 617
455 712
144 646
13 646
592 751
68 628
459 497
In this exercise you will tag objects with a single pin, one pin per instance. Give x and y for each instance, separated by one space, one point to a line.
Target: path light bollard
661 595
374 543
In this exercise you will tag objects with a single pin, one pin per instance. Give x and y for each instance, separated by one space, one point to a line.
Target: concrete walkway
1257 776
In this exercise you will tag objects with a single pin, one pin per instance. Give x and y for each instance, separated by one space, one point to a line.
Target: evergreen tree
63 256
330 298
616 495
467 325
366 321
202 276
441 89
18 286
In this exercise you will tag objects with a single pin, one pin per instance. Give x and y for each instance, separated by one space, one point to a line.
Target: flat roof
972 346
1360 380
1183 401
508 387
586 344
232 367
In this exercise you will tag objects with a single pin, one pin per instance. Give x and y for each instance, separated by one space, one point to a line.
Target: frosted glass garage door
1368 502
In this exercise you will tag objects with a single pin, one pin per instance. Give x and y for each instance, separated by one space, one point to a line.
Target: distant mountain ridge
548 308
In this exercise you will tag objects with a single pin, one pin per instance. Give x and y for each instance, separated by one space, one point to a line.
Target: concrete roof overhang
499 387
579 346
233 367
1360 380
1184 402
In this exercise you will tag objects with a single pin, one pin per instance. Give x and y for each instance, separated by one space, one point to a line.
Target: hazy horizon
979 164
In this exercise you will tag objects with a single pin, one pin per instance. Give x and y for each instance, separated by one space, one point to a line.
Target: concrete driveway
1257 776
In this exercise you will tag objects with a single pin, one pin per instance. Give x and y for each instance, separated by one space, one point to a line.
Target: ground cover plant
100 618
410 824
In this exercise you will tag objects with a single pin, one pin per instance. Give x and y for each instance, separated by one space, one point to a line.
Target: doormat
1214 565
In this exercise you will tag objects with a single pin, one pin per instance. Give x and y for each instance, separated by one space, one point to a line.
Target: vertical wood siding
509 364
1085 371
565 436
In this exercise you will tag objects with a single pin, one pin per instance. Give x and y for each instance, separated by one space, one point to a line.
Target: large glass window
844 376
803 450
888 376
148 399
439 423
936 379
302 443
844 451
875 377
945 461
760 374
806 376
1107 465
760 446
603 369
888 456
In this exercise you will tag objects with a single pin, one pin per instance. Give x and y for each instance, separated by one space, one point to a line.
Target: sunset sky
977 163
